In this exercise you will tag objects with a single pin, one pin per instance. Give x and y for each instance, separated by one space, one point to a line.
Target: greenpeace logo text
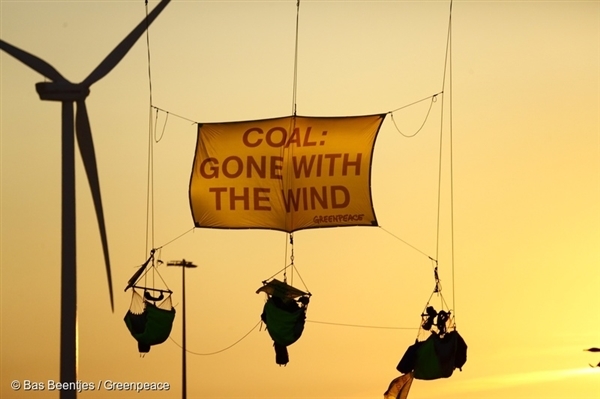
338 218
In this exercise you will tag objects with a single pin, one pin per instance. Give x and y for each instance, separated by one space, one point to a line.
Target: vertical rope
439 194
150 176
148 48
447 71
285 264
294 90
451 166
288 172
150 171
292 257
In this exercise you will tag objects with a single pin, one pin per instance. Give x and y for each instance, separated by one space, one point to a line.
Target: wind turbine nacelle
61 91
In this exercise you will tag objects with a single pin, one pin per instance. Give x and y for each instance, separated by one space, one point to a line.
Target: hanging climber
150 317
438 355
152 325
284 314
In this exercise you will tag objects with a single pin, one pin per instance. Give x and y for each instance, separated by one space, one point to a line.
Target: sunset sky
523 278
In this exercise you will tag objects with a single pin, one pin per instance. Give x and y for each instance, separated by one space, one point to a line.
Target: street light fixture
183 264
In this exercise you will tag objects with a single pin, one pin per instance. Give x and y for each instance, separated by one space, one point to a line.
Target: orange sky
526 140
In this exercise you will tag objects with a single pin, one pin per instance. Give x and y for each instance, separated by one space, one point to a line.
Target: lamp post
183 264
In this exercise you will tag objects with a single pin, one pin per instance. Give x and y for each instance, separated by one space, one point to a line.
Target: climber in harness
438 355
150 316
444 349
284 314
153 325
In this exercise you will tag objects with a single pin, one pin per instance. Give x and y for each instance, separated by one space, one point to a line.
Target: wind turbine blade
119 52
33 62
86 147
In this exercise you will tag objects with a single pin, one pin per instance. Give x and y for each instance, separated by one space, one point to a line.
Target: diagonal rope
415 102
176 238
297 272
405 242
178 116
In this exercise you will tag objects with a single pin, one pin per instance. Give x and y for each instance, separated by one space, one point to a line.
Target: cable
176 238
157 140
361 326
150 174
412 246
433 99
445 72
178 116
448 71
416 102
221 350
388 112
308 321
451 167
297 272
295 85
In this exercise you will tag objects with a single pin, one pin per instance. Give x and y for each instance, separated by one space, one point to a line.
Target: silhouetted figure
284 314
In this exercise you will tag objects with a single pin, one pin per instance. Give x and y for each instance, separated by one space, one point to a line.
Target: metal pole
183 264
68 284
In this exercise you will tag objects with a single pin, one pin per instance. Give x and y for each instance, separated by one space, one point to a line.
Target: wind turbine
60 89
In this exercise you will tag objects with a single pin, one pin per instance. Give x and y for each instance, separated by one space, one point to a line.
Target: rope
302 280
152 139
448 71
148 48
176 238
308 321
297 272
285 264
439 193
433 99
153 267
221 350
441 133
295 85
150 175
289 152
292 257
157 140
178 116
416 102
361 325
412 246
451 167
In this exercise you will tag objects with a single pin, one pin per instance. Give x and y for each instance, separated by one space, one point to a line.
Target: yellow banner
286 174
